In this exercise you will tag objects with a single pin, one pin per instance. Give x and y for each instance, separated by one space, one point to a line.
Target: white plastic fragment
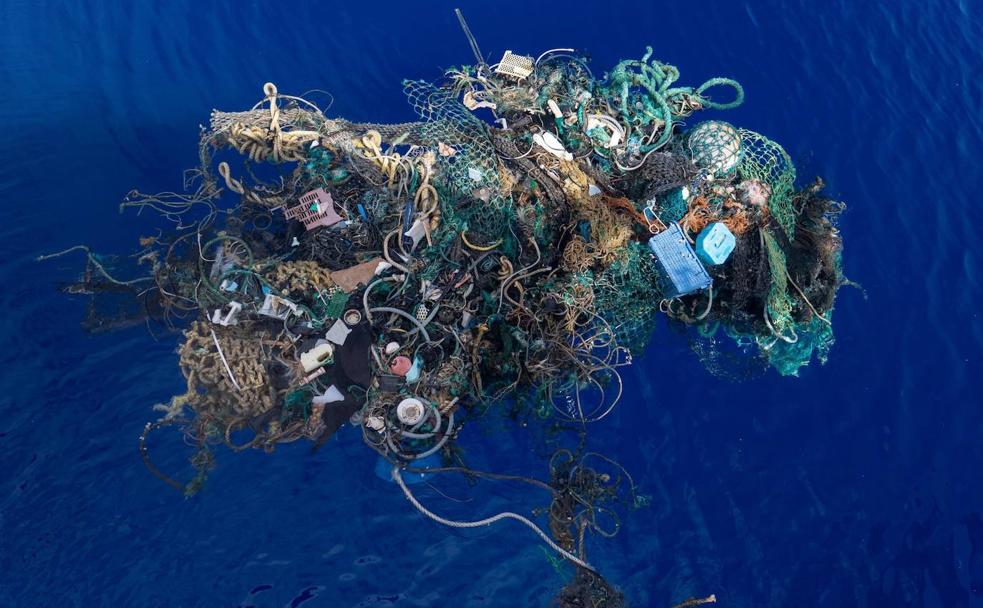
310 378
473 104
615 131
230 316
555 109
392 347
316 357
551 144
593 190
338 332
331 395
277 307
474 174
416 232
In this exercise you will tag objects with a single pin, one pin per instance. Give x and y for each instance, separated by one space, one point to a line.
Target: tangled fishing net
508 251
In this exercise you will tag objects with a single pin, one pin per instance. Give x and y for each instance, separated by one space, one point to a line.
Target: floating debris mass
507 252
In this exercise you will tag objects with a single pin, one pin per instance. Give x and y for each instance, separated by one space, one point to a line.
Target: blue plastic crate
682 271
715 244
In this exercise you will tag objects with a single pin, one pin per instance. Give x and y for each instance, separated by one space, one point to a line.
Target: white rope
709 305
488 521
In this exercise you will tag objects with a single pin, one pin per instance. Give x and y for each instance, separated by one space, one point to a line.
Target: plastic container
681 271
715 244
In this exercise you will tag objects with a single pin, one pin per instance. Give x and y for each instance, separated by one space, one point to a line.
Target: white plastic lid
410 411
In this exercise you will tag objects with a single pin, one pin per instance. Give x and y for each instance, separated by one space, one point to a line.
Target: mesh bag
664 171
749 277
472 167
766 161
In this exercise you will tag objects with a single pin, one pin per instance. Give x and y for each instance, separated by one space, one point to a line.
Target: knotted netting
715 146
778 311
467 164
765 161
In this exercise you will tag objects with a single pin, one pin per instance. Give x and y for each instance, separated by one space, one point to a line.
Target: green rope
660 105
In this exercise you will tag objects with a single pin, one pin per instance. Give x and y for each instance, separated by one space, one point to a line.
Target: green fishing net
672 206
815 338
467 166
765 161
779 305
626 294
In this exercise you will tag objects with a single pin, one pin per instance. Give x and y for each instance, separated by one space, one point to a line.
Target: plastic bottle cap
401 365
410 411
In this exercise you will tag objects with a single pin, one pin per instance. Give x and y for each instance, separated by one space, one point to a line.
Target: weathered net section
467 165
662 173
778 311
627 295
765 161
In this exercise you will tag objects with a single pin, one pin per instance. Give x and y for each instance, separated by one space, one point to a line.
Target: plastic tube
487 521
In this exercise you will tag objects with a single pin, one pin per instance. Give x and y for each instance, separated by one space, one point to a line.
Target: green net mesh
626 295
467 166
716 147
766 161
779 305
814 338
671 207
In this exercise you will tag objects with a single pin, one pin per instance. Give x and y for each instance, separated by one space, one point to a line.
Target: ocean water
856 484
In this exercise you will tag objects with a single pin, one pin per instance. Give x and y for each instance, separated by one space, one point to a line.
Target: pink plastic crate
315 209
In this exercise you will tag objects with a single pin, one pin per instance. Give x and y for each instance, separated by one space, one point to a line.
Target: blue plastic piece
680 268
715 244
414 374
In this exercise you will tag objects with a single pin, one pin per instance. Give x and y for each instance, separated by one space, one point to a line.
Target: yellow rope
272 142
479 247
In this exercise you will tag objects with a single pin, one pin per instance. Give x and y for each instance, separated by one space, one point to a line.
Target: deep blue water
857 484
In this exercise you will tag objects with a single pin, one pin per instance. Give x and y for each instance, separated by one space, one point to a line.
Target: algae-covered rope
661 104
98 266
